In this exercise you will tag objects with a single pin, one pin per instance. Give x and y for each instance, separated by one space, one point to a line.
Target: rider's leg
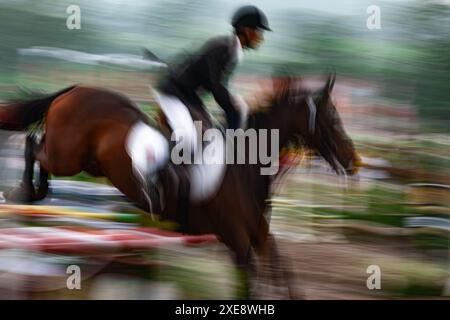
149 152
180 120
184 133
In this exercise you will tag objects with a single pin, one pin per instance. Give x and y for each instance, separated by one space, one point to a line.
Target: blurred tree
409 58
431 24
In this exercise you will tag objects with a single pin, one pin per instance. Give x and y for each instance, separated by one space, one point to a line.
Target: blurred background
392 91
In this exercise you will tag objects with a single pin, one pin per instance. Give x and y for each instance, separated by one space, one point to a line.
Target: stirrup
153 192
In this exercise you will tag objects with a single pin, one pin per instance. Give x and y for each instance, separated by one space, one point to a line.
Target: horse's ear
330 84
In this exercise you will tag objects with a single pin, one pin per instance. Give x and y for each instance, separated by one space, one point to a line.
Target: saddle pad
205 177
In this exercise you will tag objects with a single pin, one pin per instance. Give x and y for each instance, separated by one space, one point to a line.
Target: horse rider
208 70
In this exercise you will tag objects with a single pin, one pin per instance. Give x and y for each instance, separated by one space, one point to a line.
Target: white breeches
179 119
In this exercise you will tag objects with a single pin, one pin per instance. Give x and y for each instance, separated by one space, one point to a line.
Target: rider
209 70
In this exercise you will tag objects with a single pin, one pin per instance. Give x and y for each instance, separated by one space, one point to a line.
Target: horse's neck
258 183
274 118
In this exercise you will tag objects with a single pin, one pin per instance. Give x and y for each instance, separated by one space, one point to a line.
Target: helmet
250 16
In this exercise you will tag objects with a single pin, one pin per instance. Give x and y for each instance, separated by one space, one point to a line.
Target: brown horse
86 129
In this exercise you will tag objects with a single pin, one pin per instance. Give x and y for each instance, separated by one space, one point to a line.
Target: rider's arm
216 64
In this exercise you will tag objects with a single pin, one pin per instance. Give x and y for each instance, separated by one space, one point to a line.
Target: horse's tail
18 116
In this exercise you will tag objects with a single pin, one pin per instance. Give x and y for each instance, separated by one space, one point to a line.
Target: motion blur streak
391 92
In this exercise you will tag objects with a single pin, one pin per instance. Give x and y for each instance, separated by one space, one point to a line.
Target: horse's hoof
41 193
19 194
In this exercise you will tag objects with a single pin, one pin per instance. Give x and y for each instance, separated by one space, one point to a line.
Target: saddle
182 184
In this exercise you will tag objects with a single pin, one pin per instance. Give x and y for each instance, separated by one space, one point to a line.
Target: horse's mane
287 91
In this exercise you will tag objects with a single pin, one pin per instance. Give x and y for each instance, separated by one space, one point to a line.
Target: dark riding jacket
208 70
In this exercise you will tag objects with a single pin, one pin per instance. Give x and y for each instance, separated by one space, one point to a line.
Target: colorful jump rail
71 238
65 211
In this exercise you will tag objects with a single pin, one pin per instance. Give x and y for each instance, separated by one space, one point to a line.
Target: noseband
312 114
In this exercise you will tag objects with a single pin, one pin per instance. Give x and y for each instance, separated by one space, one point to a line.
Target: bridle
312 114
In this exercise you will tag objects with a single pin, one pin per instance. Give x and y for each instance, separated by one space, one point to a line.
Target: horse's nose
354 166
352 171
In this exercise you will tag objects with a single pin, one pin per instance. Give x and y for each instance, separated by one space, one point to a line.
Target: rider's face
254 37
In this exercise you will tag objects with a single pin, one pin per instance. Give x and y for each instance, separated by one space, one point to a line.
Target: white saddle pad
149 151
206 177
147 148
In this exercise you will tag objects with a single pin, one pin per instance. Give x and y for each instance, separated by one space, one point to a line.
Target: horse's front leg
247 277
277 268
239 243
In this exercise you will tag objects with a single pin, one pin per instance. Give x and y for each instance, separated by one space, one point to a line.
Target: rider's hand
243 110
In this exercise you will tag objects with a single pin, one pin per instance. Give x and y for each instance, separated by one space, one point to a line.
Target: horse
85 129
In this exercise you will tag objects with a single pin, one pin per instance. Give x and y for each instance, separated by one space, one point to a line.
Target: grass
402 277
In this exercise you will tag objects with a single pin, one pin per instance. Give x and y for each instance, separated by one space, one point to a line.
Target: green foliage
409 57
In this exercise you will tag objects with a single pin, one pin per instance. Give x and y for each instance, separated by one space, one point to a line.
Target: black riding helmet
250 16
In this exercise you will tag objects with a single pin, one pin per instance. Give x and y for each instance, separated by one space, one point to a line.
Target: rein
312 114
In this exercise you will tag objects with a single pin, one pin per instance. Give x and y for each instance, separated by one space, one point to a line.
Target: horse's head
314 121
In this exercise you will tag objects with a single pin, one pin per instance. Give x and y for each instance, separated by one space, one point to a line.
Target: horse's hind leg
39 155
42 189
25 192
